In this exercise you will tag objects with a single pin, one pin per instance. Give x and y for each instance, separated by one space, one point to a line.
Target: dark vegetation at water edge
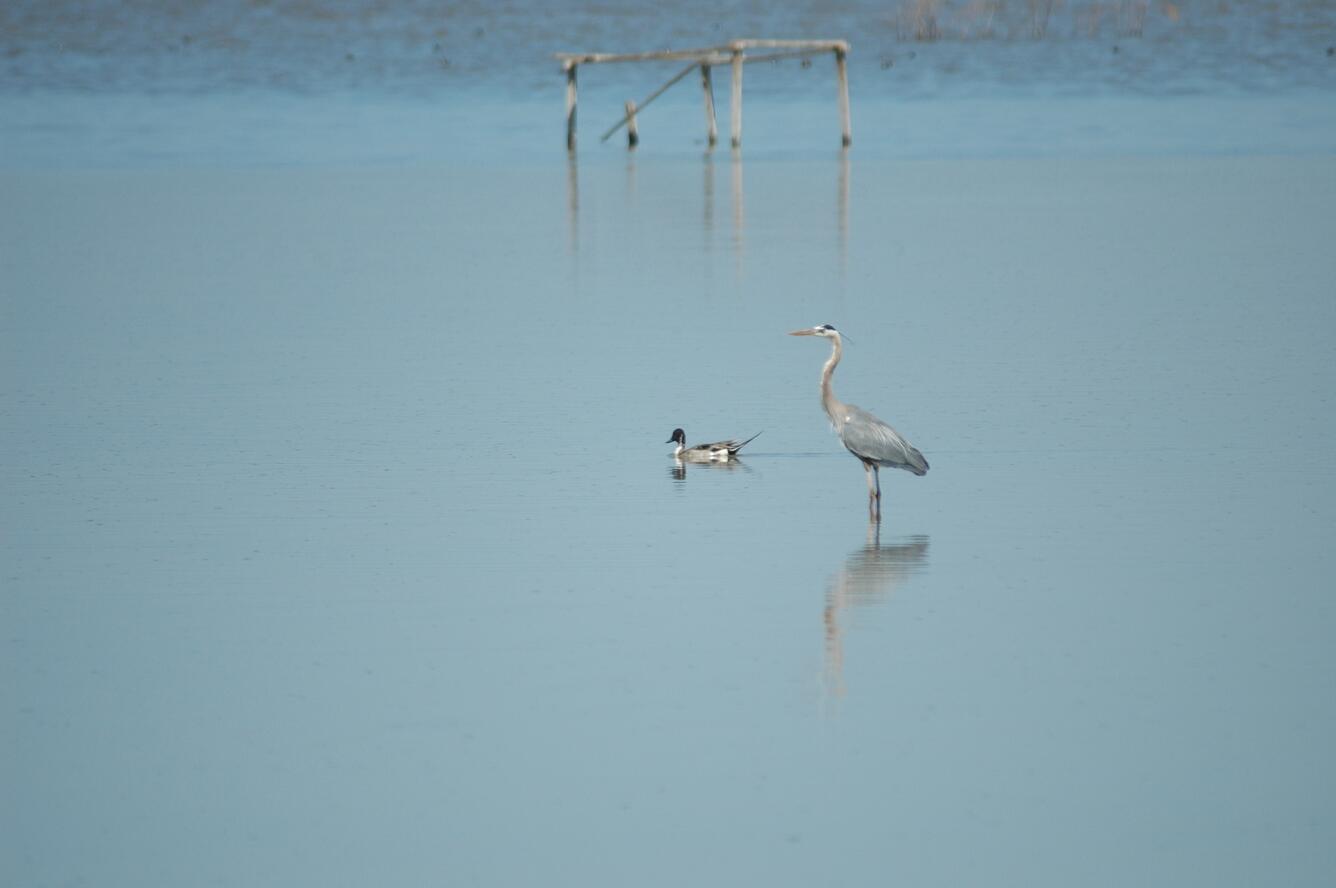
426 47
926 20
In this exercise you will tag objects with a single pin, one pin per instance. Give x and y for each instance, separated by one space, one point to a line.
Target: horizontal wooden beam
709 55
842 45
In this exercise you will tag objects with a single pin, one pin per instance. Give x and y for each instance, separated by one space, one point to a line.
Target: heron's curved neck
828 399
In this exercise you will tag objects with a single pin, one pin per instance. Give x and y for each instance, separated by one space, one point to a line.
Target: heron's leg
873 489
876 476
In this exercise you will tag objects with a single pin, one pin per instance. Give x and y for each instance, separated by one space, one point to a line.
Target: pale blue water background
339 545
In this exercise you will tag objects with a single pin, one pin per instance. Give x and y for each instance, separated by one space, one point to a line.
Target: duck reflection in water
869 576
678 470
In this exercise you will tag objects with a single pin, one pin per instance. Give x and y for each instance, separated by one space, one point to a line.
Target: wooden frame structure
734 53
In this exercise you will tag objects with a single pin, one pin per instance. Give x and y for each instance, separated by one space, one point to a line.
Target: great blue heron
719 450
863 435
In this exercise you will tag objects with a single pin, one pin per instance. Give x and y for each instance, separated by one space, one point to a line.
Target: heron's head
825 330
678 437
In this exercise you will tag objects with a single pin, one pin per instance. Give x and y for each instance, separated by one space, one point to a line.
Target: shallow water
340 544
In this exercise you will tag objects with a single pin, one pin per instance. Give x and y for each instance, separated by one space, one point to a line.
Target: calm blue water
339 544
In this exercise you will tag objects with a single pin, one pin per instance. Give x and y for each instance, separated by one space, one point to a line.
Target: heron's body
713 452
874 442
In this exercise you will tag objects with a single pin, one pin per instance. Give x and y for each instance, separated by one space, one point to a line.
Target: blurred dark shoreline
911 49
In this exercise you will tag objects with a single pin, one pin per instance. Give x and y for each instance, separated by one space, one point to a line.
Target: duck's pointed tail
748 441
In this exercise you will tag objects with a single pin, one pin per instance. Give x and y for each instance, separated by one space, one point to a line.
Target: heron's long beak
808 332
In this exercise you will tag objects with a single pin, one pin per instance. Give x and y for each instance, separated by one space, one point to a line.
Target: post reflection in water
739 212
631 184
573 201
842 210
869 576
708 201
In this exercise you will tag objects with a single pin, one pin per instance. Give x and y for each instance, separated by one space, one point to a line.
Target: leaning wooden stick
651 97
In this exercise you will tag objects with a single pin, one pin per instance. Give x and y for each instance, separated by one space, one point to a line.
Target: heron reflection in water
869 576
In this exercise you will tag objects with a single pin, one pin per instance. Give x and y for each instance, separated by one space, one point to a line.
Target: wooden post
570 106
708 87
737 98
842 74
632 134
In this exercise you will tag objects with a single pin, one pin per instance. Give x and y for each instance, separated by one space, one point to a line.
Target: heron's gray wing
867 437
